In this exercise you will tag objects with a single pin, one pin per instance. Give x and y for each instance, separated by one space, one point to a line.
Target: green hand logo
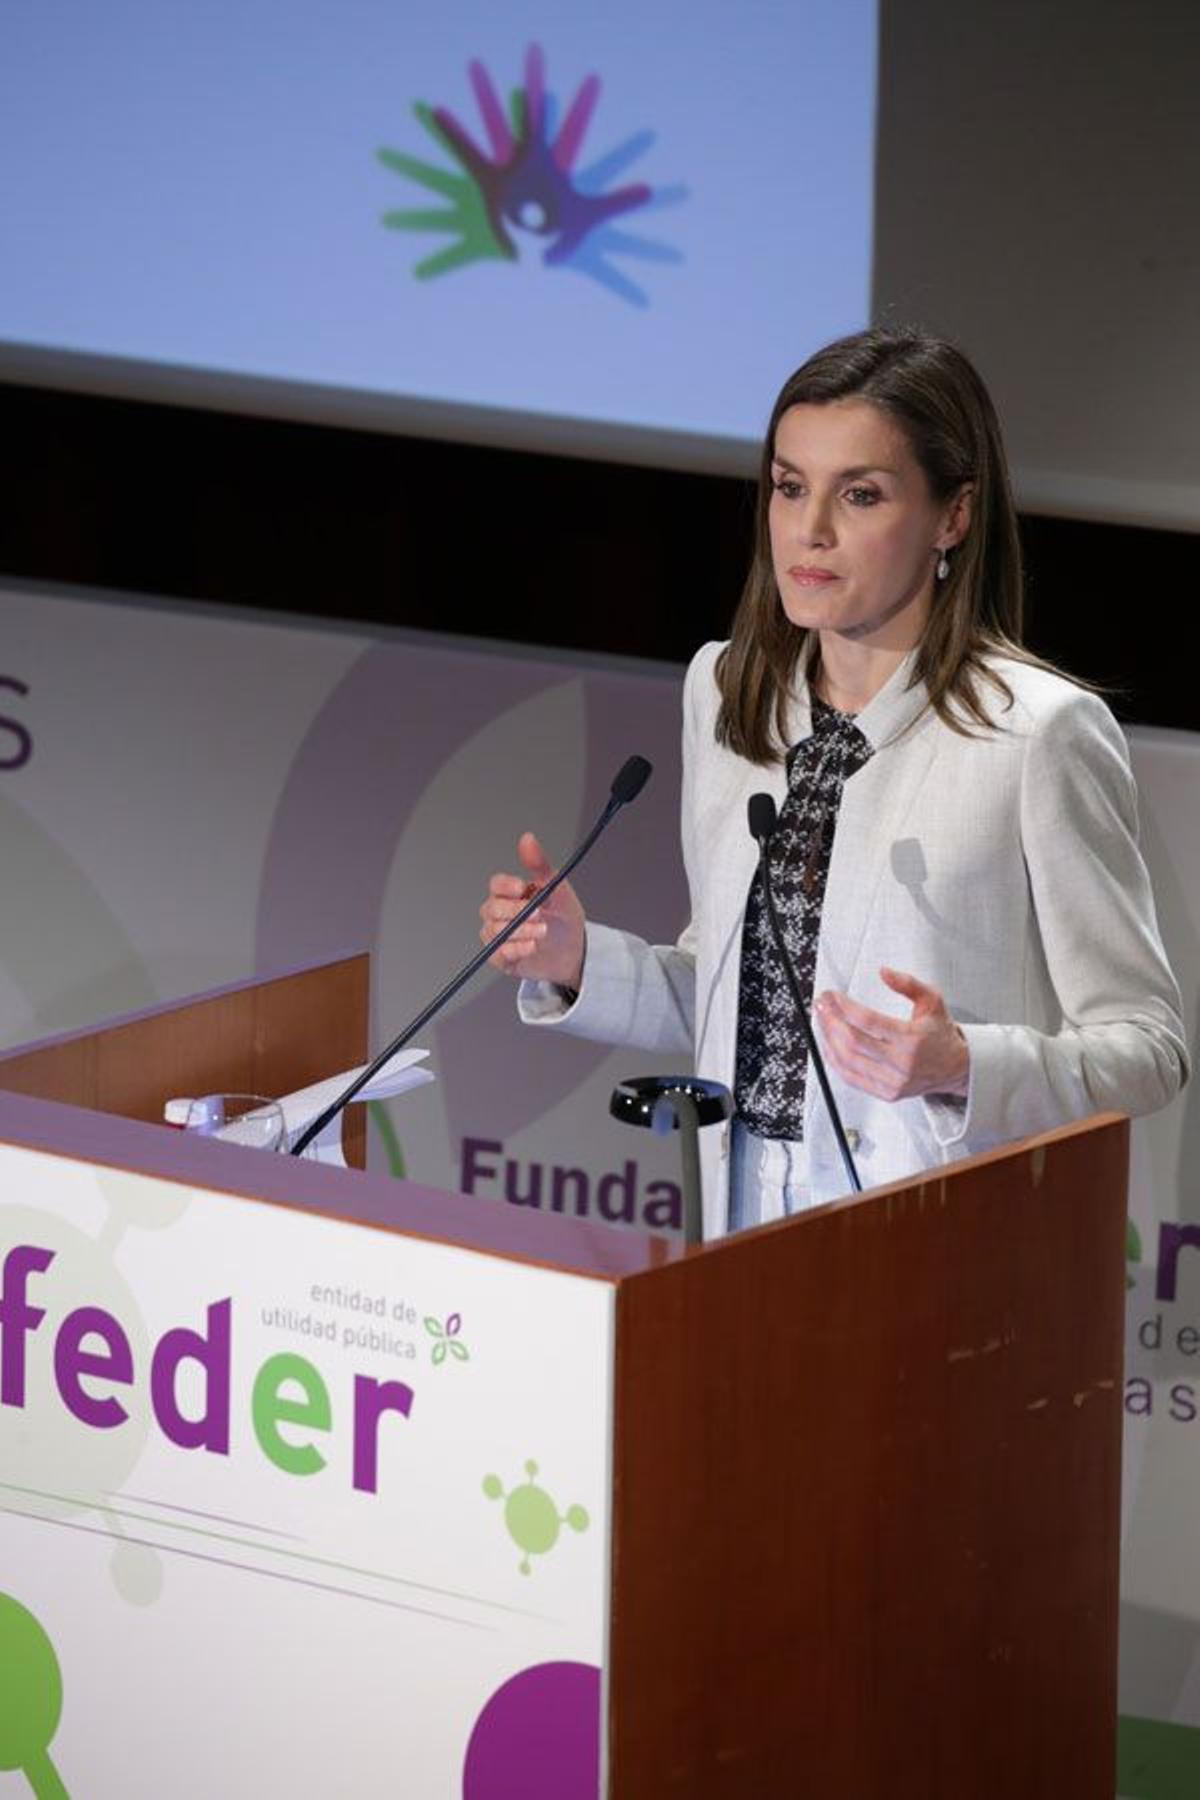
466 216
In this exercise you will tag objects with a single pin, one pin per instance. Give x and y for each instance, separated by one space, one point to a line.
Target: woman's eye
862 496
791 490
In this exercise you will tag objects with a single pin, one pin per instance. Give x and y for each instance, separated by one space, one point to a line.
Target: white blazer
1002 869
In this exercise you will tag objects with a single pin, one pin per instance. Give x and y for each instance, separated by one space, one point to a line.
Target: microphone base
681 1103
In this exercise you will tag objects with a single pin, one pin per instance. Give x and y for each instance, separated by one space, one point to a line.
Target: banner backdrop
190 797
1160 1575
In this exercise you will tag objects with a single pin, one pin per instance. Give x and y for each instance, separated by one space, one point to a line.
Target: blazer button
853 1137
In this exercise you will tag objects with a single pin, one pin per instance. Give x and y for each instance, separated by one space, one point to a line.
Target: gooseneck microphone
762 819
630 779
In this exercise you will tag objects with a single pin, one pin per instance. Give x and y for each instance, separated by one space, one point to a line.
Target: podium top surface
576 1246
96 1096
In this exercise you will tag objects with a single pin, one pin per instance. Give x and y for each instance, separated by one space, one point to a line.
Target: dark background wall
1035 196
357 525
502 544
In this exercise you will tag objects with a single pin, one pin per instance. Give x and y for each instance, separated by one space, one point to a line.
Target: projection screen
606 230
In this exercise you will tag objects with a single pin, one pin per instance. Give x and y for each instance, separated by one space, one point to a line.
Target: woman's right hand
550 944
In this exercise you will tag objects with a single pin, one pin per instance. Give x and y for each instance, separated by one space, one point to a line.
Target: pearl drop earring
943 567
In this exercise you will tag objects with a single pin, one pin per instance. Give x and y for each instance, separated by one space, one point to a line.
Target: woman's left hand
895 1059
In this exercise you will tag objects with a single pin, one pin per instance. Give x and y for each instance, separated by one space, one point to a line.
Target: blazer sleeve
633 992
1119 1045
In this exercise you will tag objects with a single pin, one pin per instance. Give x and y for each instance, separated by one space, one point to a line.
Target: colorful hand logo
525 185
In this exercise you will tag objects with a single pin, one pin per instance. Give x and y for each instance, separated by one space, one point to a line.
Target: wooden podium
864 1501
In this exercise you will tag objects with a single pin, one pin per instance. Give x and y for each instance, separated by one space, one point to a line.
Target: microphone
628 783
629 780
761 816
760 811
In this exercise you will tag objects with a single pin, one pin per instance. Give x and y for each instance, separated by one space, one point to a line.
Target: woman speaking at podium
955 865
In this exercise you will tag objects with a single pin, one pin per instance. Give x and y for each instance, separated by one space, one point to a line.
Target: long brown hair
937 398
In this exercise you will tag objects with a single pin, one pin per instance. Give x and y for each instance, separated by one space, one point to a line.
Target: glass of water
250 1120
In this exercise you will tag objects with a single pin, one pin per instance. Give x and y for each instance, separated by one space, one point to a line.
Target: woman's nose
814 522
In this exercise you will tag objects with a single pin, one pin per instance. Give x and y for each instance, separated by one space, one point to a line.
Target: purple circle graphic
538 1737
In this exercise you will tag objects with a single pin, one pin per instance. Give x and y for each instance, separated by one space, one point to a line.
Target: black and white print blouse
772 1061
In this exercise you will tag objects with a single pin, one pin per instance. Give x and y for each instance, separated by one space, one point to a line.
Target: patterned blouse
772 1061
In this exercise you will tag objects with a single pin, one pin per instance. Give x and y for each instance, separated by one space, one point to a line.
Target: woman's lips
805 577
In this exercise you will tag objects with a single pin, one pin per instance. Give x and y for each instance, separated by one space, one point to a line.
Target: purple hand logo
526 186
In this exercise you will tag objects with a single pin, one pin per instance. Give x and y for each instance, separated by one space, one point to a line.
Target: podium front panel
290 1504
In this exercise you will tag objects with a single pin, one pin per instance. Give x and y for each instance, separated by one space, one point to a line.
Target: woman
956 859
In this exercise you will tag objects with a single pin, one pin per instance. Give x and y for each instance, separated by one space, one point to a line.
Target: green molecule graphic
30 1699
532 1518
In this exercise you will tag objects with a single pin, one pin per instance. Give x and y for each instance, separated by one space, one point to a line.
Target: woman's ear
957 520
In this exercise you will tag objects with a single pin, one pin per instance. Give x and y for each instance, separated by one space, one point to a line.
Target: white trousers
768 1178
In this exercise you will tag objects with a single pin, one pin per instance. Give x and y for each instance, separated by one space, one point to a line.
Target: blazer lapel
875 803
732 856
